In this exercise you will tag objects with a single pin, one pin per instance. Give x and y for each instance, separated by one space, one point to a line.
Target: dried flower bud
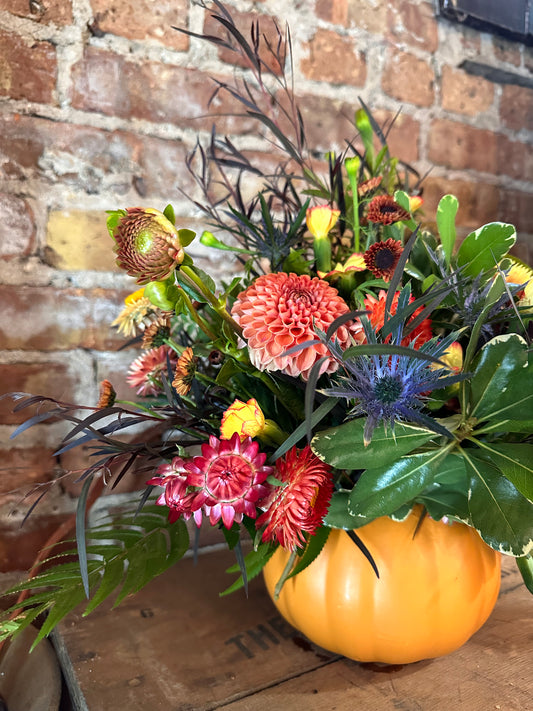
147 244
107 395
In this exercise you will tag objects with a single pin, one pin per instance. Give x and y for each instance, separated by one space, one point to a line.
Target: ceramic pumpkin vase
435 590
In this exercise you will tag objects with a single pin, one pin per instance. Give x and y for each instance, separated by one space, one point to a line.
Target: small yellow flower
415 203
522 274
134 297
136 309
354 263
453 358
245 418
321 220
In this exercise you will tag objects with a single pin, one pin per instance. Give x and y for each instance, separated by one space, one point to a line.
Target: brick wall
100 100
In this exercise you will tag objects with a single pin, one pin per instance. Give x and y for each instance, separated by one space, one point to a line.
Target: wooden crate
177 646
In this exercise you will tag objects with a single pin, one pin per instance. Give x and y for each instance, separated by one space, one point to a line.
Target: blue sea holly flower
394 386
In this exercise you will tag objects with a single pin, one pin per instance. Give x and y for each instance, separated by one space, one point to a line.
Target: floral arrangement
359 365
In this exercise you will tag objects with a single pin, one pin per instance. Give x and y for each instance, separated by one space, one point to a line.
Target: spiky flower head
382 258
147 244
185 371
300 504
280 311
137 312
147 371
384 210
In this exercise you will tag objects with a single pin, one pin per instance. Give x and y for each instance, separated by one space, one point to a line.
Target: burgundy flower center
388 208
384 259
300 296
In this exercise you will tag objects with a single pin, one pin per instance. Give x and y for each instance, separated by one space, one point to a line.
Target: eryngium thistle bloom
147 245
280 311
299 506
391 388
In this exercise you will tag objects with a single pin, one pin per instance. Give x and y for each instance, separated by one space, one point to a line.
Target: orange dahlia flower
280 311
376 314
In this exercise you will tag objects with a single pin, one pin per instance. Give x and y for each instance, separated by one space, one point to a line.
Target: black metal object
510 18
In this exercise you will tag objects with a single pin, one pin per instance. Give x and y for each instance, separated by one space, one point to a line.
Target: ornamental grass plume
280 311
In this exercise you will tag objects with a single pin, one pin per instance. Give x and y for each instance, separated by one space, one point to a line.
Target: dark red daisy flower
385 210
382 257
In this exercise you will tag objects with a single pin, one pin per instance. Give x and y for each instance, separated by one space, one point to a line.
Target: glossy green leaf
338 515
482 250
446 213
343 446
169 213
503 517
254 561
381 492
502 384
186 236
448 494
514 460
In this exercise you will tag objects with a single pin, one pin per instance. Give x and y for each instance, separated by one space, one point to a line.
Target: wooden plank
178 646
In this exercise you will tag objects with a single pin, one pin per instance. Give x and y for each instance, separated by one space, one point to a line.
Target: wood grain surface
178 646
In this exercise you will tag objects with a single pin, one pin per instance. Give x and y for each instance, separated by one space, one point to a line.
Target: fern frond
123 554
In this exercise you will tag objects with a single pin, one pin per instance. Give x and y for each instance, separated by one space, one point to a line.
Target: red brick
516 107
100 160
412 24
50 378
409 79
334 59
110 84
149 20
29 69
334 11
457 145
506 50
17 226
36 318
515 207
514 158
268 29
465 94
478 202
27 466
328 122
57 11
403 135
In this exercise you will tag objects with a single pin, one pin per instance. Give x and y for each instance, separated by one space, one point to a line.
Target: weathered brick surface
148 20
506 50
478 202
465 94
335 11
27 466
51 378
516 208
37 318
413 25
334 59
46 11
28 69
17 227
402 133
90 159
367 15
456 145
409 79
78 240
516 107
110 84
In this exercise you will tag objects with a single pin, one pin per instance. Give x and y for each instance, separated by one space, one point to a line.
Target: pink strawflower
301 504
180 501
279 311
225 482
147 370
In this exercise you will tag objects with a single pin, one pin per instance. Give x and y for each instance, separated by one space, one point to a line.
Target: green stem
286 572
202 323
219 308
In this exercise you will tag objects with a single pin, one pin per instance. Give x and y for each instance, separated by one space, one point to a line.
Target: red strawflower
300 505
376 308
146 371
280 311
382 258
385 210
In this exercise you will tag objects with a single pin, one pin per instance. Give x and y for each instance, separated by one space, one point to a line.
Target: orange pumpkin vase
436 588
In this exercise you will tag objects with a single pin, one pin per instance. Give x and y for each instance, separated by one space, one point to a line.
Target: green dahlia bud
148 246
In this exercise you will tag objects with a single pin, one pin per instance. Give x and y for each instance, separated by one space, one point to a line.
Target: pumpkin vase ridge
435 589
